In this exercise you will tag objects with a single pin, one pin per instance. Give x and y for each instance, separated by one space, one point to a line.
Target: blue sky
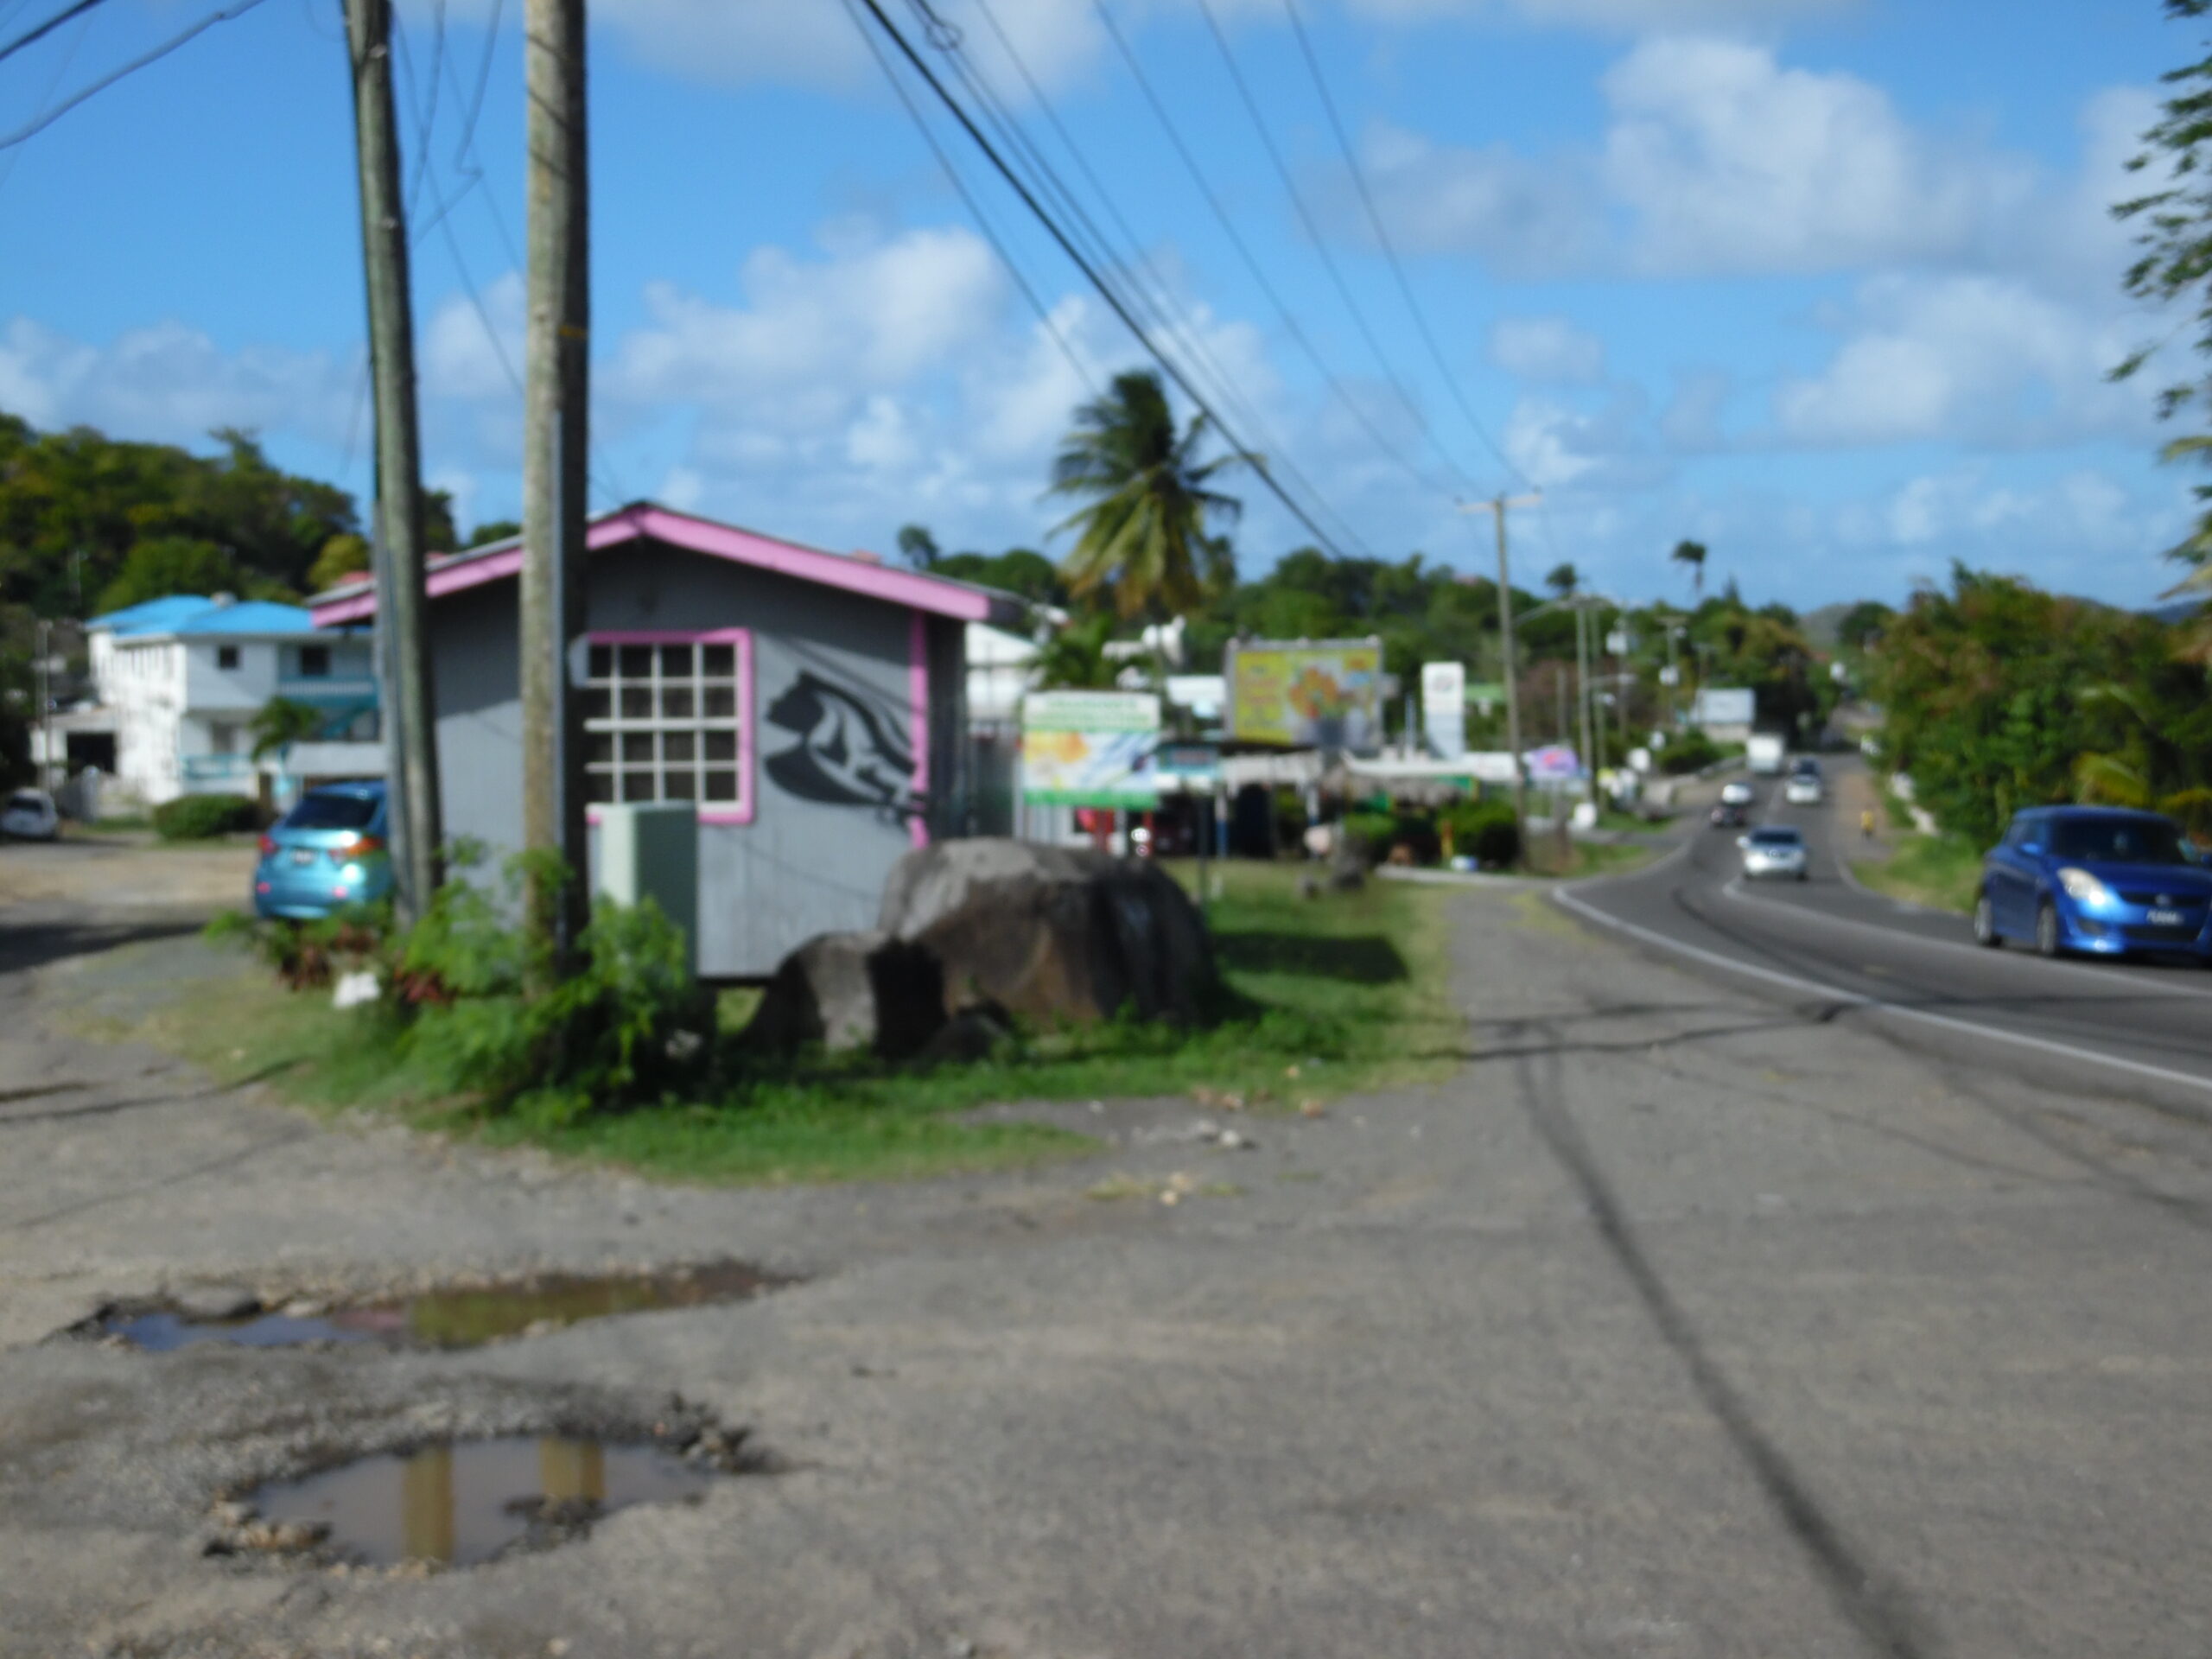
1826 284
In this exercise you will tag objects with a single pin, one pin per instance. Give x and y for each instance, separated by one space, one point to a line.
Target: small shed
810 703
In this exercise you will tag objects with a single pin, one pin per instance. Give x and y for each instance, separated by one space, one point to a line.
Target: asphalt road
2142 1027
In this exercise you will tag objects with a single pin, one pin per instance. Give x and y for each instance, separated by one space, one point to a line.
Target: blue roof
153 615
192 614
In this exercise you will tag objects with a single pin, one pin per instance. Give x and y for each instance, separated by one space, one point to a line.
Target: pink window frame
719 813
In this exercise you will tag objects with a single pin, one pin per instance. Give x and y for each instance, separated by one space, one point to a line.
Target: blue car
2104 881
327 852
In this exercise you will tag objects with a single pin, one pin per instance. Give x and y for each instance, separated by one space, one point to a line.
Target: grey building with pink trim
810 704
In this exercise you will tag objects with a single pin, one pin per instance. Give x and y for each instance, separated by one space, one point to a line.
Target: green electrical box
651 850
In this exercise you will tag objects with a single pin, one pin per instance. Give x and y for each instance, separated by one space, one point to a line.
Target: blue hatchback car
327 852
2100 880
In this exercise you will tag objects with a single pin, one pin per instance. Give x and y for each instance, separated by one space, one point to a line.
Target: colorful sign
1554 763
1193 767
1444 709
1320 694
1089 749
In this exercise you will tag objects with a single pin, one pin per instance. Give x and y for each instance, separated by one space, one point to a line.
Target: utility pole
1499 505
398 511
555 431
1582 695
45 704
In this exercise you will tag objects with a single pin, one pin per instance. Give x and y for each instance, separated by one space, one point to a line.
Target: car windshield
2117 840
331 811
29 800
1776 838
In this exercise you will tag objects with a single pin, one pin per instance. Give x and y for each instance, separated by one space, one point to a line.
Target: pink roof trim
908 587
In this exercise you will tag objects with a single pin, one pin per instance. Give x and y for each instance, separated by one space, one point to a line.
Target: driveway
1682 1322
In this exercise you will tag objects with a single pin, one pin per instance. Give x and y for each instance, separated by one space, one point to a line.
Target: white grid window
661 723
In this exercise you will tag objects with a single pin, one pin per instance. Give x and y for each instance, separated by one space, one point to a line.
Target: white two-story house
180 680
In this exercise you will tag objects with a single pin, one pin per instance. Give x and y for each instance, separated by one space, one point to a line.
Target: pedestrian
1866 824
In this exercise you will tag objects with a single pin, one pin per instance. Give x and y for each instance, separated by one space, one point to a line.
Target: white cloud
1546 350
1527 216
171 384
460 356
1622 16
1731 162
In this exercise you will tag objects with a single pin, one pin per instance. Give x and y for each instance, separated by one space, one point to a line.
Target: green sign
1089 749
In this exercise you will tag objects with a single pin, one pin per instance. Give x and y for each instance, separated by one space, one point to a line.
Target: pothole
450 1316
460 1504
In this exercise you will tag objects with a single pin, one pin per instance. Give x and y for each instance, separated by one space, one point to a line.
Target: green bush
1378 832
1485 829
201 817
1689 751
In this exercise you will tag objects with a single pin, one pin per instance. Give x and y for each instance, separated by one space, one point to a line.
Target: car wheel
2047 929
1984 923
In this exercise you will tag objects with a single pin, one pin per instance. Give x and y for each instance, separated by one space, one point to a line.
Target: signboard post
1444 709
1306 694
1090 748
1195 769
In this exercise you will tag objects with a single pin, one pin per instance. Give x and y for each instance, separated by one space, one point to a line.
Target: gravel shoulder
1680 1322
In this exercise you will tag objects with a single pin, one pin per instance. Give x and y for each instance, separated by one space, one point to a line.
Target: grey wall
830 723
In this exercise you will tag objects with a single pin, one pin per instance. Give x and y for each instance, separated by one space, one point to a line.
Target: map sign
1444 709
1089 749
1306 694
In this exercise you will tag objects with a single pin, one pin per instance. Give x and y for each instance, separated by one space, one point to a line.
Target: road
2143 1028
1676 1324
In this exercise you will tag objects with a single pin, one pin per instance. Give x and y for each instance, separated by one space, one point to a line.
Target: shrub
1689 751
308 955
1377 832
1486 830
199 817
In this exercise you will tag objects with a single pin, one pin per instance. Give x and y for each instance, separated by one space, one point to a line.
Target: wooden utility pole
398 511
1498 504
556 433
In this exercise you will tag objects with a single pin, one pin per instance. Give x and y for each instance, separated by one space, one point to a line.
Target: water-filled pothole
457 1505
455 1317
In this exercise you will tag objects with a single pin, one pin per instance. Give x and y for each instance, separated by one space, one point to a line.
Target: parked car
1773 849
1729 815
29 815
327 852
1804 788
1738 793
2095 879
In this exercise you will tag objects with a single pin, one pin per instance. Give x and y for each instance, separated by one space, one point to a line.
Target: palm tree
1693 555
1563 580
1147 502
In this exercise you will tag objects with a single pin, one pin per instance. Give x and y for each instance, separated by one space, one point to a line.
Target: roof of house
356 601
191 613
152 615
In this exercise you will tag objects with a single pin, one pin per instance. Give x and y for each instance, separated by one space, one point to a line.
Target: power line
1156 299
1090 274
45 99
1389 252
41 122
42 30
1313 234
1251 261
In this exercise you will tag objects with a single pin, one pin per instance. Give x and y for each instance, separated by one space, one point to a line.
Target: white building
179 680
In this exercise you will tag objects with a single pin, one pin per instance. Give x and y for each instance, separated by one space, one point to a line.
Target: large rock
852 990
1051 932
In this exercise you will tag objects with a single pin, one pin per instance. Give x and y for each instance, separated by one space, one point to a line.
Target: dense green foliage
198 818
1998 697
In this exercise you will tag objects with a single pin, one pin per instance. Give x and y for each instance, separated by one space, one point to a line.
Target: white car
1803 789
1738 793
1773 849
29 815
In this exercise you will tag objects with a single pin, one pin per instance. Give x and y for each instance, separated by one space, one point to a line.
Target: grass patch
1942 872
1340 992
1583 858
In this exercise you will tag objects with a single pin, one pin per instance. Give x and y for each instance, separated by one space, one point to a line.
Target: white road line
2111 977
1855 999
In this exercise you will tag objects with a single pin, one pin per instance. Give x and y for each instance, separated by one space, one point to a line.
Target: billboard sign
1554 763
1444 709
1194 768
1723 705
1303 694
1089 749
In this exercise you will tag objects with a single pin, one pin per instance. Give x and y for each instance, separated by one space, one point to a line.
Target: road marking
2109 976
1858 998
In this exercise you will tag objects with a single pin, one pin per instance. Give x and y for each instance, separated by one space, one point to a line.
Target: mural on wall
848 748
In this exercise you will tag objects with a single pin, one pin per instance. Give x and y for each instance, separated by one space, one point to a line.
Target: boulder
852 990
1052 932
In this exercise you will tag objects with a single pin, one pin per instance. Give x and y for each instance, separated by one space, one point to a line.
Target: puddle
458 1505
452 1318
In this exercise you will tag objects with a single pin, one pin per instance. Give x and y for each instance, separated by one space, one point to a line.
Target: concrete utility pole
1498 504
1582 693
555 431
398 512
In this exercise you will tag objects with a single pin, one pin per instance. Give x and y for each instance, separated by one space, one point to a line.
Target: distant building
177 681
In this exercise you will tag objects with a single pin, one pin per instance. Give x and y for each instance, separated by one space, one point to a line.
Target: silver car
1773 849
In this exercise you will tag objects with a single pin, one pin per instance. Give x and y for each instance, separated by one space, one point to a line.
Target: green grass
1941 872
1339 992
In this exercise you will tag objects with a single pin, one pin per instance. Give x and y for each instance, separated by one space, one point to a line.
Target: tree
1862 624
1018 570
917 547
1148 498
281 721
496 529
171 564
342 556
1074 659
1563 581
1690 555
